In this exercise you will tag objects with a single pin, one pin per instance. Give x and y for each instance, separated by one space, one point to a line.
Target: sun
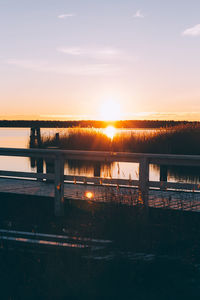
110 110
110 131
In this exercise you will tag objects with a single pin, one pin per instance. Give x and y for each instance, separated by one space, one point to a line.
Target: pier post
32 137
32 133
38 136
59 186
143 180
32 145
163 175
39 163
97 169
35 135
57 139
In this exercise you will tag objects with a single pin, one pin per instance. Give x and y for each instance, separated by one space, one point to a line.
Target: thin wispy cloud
101 53
97 53
83 69
138 14
193 31
64 16
76 51
154 115
63 116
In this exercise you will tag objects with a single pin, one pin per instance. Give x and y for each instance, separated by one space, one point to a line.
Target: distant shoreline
93 123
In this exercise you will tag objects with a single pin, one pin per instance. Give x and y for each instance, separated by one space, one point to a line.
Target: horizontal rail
174 185
132 183
100 180
103 181
54 237
105 156
21 152
26 175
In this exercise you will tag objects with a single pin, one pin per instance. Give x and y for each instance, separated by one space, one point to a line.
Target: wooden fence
58 157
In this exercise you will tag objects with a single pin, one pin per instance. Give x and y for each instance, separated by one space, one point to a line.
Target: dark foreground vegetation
154 254
182 139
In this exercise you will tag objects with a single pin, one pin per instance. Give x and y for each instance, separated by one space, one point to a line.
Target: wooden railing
144 160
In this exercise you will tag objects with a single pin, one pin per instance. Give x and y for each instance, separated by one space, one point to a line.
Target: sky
108 59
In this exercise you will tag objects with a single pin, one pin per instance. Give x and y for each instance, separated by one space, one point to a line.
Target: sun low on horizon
110 110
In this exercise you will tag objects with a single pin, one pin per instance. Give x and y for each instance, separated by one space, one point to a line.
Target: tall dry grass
183 139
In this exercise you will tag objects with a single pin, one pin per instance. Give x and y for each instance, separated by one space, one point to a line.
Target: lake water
19 138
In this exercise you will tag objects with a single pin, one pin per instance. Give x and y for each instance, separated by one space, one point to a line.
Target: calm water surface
19 138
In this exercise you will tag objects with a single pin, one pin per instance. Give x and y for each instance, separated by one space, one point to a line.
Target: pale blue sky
69 58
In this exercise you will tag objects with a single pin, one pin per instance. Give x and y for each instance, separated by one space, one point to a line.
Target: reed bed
183 139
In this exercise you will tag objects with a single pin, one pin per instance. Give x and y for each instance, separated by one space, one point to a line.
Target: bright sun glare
110 111
110 131
89 195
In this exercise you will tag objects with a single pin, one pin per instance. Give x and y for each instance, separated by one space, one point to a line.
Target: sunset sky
89 59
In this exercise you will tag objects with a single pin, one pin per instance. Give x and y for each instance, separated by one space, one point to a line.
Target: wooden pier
61 186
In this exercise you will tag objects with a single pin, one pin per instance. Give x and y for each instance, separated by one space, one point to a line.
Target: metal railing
144 160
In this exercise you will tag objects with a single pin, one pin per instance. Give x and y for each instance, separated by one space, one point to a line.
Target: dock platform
171 199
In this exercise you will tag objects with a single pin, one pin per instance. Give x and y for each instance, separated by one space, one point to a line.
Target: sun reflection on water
110 131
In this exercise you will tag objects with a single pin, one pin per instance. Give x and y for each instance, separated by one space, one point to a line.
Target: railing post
32 137
57 139
97 169
144 179
163 176
59 186
39 167
38 136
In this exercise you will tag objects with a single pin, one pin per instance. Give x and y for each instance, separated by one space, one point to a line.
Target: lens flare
89 195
